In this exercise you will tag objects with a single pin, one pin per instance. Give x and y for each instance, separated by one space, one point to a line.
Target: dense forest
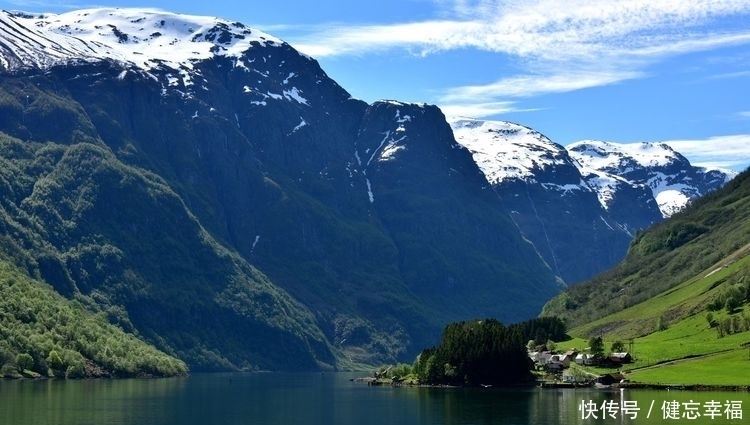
43 334
485 352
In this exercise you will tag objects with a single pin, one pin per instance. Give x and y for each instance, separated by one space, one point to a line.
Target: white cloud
731 151
548 29
744 114
558 45
531 85
426 37
481 100
478 109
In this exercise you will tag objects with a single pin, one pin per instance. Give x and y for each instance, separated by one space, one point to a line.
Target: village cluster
558 364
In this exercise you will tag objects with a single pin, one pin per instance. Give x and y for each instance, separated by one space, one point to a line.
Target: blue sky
623 71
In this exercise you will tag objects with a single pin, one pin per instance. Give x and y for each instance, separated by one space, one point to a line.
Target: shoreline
547 385
685 387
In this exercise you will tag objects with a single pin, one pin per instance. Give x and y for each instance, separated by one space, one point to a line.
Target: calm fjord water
331 399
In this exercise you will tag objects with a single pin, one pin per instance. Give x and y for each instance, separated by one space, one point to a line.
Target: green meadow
671 338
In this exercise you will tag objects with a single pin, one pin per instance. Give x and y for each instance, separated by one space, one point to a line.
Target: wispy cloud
423 37
480 109
542 29
744 115
731 152
532 85
559 46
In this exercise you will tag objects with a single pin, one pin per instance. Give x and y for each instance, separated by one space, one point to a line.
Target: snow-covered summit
504 150
623 158
142 38
669 175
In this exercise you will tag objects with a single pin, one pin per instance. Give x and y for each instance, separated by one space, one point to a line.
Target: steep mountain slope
119 237
237 207
709 235
543 190
581 206
42 332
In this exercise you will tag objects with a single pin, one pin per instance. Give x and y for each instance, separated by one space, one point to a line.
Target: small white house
584 359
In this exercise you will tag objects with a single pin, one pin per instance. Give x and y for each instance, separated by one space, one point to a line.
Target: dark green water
331 399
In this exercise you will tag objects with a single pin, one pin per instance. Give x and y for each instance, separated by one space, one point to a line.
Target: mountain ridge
674 181
139 37
581 205
520 152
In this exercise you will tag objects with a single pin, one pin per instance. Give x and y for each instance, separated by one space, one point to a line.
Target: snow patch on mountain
671 201
296 95
301 124
669 175
604 184
504 150
143 38
623 157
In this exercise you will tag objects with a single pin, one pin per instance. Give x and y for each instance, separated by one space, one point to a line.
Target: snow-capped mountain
142 38
507 151
581 205
671 177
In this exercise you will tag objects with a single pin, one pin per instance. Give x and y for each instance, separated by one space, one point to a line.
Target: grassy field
687 350
728 368
681 356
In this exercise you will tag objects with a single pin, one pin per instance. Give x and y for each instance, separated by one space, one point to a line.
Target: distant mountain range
211 190
581 205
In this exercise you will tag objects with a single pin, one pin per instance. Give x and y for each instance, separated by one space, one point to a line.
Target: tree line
484 352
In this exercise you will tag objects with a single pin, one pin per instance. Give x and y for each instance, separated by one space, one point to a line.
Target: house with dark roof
620 358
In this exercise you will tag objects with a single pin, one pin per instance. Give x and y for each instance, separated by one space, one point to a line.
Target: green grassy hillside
707 235
680 301
118 239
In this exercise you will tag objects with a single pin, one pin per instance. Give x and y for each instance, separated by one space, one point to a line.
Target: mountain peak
506 151
624 157
672 179
140 37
